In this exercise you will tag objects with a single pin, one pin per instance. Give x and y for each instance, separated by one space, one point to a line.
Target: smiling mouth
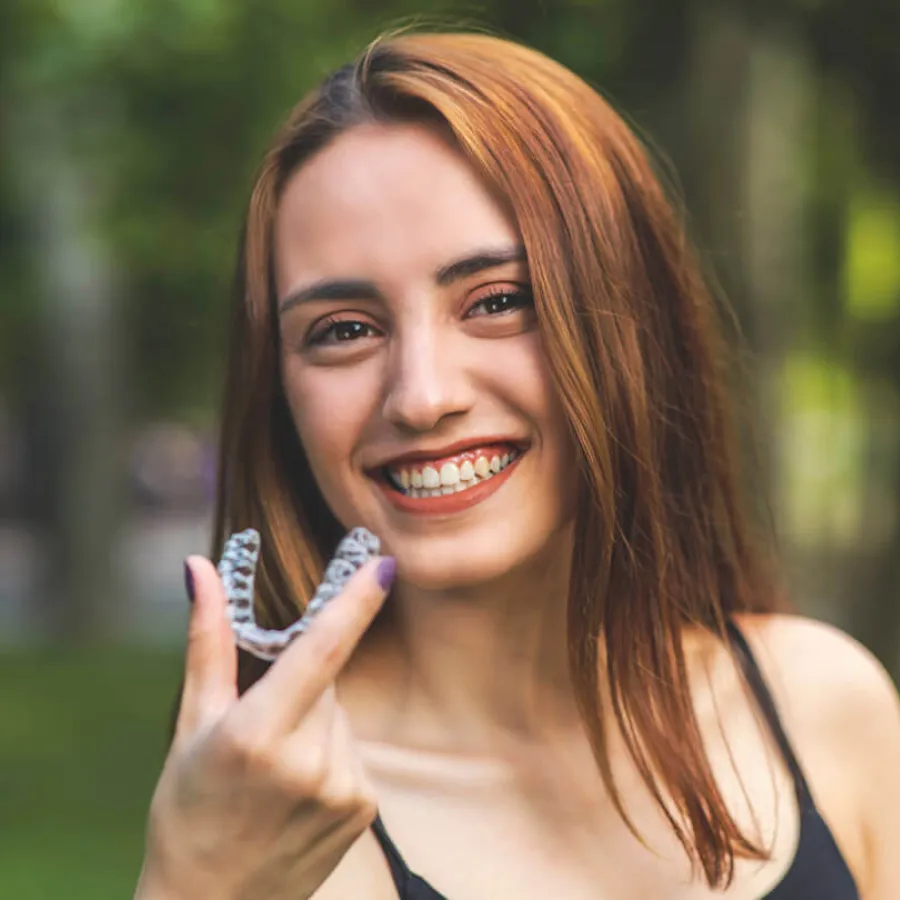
460 473
450 483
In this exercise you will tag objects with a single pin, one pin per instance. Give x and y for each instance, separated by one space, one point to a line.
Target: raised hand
261 795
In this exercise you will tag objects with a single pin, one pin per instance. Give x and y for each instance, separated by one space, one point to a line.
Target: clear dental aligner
237 569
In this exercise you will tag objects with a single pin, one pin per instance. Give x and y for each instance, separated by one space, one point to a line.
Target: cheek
330 410
558 455
532 390
519 373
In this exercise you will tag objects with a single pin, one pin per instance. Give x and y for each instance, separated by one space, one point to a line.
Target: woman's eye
499 302
341 331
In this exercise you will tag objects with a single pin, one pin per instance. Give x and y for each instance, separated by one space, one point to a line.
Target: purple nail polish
386 571
189 582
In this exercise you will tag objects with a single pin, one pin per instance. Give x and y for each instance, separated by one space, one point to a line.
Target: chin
447 576
476 557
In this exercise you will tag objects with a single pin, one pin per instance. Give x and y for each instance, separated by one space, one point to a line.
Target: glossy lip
435 453
448 504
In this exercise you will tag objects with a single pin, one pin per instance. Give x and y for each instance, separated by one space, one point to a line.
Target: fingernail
189 581
386 571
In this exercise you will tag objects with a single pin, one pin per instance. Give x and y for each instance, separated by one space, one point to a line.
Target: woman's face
411 360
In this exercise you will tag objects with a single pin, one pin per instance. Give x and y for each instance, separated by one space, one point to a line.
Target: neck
470 669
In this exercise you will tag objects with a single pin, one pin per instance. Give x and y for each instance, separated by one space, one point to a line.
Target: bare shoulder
842 713
824 675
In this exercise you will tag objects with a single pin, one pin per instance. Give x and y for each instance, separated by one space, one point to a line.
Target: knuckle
241 745
345 796
307 774
365 812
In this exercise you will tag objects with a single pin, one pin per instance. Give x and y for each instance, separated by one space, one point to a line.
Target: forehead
384 201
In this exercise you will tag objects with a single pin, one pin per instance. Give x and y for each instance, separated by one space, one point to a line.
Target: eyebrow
478 262
361 289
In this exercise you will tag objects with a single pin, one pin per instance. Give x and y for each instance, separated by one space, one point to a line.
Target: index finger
313 660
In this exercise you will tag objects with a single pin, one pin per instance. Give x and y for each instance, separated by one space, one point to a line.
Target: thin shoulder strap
409 885
760 689
399 870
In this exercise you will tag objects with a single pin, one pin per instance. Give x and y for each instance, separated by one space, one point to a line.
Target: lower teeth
443 491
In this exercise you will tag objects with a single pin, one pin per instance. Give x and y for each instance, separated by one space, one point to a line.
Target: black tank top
817 870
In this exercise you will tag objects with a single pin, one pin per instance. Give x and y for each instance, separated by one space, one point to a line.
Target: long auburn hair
632 344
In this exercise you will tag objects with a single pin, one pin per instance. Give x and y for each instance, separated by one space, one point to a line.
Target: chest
553 831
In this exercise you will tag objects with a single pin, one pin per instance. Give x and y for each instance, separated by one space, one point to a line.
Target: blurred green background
129 134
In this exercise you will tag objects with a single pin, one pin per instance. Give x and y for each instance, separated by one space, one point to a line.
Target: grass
82 739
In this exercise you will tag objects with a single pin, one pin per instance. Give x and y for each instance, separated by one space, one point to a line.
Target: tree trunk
73 424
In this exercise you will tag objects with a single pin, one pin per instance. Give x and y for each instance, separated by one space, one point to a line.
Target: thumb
210 676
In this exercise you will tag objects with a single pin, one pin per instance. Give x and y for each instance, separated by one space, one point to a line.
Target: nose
426 380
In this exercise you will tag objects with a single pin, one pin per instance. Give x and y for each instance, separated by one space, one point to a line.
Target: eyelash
521 297
331 326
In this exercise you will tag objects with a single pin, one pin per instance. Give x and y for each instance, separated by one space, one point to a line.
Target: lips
449 481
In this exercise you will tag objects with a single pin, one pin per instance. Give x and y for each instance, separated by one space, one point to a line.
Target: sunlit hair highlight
630 334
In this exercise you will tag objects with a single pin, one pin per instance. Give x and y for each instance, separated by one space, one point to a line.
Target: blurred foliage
82 743
872 273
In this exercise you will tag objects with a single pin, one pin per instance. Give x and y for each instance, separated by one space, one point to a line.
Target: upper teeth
429 481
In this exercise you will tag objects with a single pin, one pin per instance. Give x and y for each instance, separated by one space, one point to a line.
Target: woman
468 321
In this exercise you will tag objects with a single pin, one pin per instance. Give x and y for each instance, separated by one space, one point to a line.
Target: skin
455 712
